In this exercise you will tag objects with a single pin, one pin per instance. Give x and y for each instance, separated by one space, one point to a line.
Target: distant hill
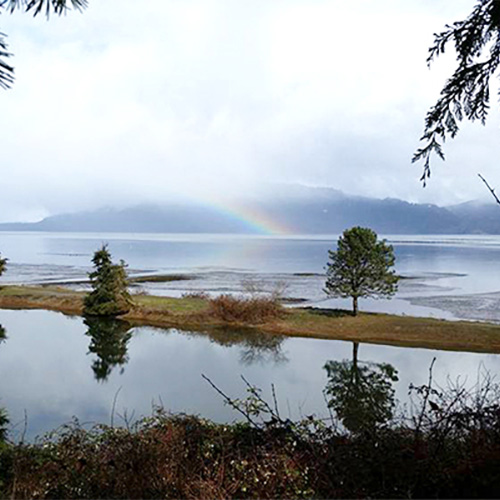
477 217
302 210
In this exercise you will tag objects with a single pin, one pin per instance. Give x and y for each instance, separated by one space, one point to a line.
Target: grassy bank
196 312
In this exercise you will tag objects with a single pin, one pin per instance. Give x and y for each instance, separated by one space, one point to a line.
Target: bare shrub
251 310
257 288
279 289
253 286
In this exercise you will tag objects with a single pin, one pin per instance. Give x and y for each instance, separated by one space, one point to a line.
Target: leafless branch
114 406
492 191
275 401
426 398
230 402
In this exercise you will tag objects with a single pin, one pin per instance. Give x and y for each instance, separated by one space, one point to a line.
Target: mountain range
291 209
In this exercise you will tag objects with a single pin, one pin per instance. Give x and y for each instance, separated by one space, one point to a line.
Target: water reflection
47 355
361 392
255 347
3 334
109 338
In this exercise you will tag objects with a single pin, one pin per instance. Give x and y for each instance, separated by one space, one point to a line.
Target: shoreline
193 313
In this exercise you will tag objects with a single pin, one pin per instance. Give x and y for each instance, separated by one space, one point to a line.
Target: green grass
170 304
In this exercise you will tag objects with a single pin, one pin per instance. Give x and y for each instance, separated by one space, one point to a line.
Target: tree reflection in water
256 347
361 392
262 348
109 341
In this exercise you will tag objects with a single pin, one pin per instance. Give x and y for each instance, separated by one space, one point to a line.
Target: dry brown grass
403 331
37 297
251 311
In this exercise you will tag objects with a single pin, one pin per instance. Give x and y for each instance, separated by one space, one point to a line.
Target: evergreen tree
361 267
466 93
109 295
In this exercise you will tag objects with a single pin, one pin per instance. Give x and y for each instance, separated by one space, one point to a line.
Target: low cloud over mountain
288 209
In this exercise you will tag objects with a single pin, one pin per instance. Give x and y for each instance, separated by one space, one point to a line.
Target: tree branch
492 191
47 6
6 71
230 402
466 94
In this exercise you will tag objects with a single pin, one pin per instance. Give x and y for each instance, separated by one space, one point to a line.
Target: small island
192 312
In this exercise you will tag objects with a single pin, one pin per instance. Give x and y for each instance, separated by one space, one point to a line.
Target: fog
131 102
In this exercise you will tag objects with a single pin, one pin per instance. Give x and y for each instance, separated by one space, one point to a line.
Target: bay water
54 367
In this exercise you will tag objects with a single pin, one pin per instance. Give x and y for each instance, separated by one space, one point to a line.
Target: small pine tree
361 267
109 295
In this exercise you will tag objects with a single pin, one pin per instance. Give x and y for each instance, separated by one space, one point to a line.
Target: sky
145 102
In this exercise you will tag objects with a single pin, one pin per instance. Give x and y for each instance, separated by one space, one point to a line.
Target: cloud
195 98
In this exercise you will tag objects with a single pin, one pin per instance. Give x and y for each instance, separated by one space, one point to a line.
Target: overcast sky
130 102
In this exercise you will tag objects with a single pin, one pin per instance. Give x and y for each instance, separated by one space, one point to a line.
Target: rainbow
257 220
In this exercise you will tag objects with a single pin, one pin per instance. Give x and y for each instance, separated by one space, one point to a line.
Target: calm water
53 367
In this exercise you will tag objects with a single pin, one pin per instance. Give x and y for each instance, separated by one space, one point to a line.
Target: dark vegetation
447 445
198 294
160 278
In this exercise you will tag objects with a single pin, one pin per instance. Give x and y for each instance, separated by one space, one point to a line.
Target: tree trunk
354 306
355 346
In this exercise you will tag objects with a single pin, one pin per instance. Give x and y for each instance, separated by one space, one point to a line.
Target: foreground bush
163 457
449 446
253 310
